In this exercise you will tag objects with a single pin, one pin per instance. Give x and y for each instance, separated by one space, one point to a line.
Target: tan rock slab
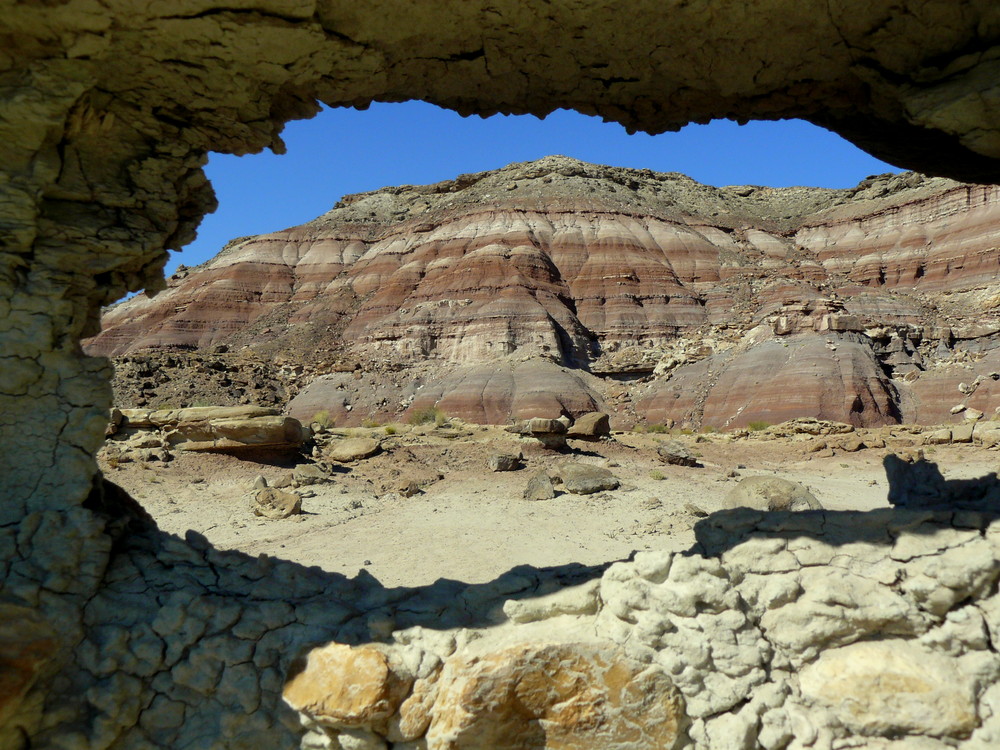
352 449
892 687
575 696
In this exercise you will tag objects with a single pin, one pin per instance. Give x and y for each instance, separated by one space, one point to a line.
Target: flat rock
676 454
591 426
351 449
585 479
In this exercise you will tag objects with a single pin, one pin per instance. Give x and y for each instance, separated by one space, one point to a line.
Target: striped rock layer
670 300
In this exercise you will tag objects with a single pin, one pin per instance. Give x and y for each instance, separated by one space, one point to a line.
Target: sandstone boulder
341 686
891 688
676 454
539 487
308 474
351 449
504 461
213 428
585 479
592 426
584 696
771 494
275 504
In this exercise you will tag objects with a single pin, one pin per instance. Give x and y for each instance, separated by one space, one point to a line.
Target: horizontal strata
576 263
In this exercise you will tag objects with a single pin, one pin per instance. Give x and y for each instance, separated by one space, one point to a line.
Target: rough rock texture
833 629
585 479
216 428
771 493
108 113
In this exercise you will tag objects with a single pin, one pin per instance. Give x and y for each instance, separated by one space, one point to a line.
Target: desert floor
473 524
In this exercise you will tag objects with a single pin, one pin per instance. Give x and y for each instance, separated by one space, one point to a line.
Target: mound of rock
771 494
584 479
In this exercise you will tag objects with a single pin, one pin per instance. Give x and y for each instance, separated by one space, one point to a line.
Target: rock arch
108 112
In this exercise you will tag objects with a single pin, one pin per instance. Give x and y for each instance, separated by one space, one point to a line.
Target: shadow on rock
922 501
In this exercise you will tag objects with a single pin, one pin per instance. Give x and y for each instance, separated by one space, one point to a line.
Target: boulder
891 688
504 461
539 487
676 454
351 449
340 686
584 696
592 426
275 504
585 479
308 474
771 493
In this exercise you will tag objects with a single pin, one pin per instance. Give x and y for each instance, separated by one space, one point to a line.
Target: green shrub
323 418
657 428
427 415
709 429
758 426
390 430
657 475
370 423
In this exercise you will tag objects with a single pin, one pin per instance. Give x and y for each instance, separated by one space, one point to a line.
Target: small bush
427 415
758 426
323 418
657 475
709 429
657 428
390 430
370 423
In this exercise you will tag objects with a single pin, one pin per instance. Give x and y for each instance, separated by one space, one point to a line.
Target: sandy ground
473 524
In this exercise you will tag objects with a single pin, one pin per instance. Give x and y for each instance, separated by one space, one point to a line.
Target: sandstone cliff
707 306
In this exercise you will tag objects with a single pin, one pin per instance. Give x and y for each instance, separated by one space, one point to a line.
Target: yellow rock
346 686
575 696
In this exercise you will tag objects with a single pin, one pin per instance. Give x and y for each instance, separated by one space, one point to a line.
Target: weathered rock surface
591 426
209 428
351 449
585 479
849 628
540 695
109 114
771 493
504 462
676 454
540 487
275 504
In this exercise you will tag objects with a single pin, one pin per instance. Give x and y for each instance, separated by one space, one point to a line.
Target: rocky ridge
558 286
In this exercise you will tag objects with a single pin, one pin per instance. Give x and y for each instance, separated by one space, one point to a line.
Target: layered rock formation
500 295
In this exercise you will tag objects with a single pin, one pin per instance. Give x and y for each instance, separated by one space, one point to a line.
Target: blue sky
349 151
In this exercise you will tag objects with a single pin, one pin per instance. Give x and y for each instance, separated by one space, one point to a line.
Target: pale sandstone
892 687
